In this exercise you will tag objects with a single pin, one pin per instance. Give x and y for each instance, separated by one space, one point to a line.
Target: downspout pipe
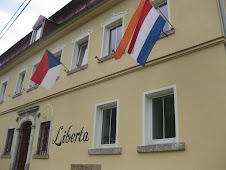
223 14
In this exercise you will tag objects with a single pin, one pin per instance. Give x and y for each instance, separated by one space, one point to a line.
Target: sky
23 25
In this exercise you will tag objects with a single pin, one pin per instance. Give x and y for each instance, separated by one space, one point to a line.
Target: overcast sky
23 25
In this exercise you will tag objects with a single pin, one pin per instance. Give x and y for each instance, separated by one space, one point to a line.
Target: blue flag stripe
151 40
53 61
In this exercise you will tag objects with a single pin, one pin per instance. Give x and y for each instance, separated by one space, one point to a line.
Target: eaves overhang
97 7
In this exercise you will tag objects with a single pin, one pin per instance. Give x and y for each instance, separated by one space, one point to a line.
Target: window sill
169 32
77 69
161 147
32 88
17 94
105 151
5 156
36 156
105 58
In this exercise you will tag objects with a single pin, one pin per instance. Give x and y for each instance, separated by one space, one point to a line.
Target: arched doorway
23 144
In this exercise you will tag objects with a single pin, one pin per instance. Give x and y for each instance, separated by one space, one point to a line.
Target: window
115 38
20 82
163 6
3 90
33 84
80 53
58 55
112 33
108 126
105 125
160 116
8 143
43 140
37 34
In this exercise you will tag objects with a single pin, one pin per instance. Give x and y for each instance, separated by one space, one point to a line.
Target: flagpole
161 13
65 67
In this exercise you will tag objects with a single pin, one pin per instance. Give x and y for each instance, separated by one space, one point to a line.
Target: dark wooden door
23 146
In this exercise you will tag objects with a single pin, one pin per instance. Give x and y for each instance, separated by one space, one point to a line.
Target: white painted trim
98 123
147 127
85 35
38 133
9 127
114 20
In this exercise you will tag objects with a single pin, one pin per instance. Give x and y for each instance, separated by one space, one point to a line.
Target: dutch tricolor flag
47 71
146 26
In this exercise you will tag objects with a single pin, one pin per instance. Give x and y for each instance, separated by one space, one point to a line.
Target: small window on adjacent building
20 82
43 140
3 90
160 116
37 34
9 140
33 84
105 130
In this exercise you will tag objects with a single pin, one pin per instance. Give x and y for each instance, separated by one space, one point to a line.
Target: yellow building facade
112 114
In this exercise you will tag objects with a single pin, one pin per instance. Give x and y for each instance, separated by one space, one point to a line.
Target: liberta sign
70 137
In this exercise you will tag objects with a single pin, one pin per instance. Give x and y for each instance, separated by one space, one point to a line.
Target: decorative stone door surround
25 116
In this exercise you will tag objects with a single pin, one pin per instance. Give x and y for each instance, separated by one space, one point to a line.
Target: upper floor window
115 38
112 33
33 84
81 47
8 142
20 82
163 5
37 33
3 90
58 55
160 116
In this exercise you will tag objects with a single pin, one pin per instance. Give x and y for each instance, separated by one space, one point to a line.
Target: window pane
9 141
82 53
157 118
38 33
164 10
113 126
21 82
105 126
43 138
3 91
112 41
169 114
119 35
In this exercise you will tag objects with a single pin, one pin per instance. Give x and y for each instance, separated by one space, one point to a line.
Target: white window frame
113 21
33 71
97 129
2 95
35 33
82 38
147 115
160 2
10 127
38 134
23 70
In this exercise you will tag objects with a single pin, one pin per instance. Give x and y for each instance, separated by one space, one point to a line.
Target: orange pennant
129 31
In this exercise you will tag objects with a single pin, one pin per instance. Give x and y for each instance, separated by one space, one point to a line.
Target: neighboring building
115 114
